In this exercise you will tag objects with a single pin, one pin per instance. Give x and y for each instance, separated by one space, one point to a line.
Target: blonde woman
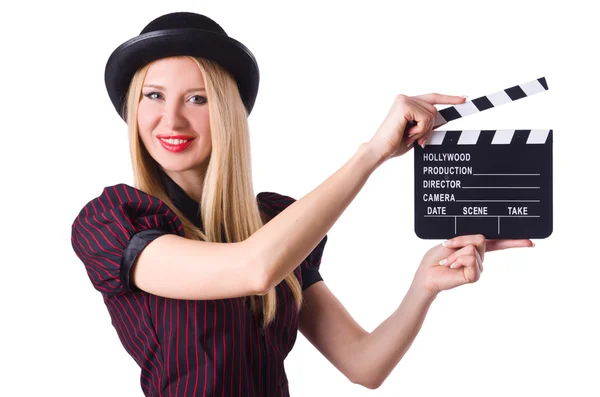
207 283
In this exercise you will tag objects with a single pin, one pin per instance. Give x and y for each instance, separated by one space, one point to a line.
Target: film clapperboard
492 182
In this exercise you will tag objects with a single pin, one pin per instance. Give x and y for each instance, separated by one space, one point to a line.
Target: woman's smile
175 143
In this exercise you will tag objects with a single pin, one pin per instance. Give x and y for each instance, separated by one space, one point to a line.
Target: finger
475 255
471 271
467 271
465 261
439 99
422 131
425 113
478 240
479 261
495 245
411 140
423 138
469 250
418 130
461 241
420 140
425 105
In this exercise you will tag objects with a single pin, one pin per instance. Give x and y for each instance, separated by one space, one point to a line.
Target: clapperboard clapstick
494 182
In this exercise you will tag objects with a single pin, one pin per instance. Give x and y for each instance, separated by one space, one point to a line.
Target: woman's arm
364 358
368 358
175 267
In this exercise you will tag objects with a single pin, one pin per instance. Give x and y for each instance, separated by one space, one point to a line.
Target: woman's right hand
410 119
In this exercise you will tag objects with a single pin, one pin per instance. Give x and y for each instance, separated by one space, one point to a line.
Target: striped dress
184 347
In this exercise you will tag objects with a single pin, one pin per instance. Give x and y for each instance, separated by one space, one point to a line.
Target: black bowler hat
181 33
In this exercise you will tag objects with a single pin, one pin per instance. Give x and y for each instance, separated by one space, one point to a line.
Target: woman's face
173 115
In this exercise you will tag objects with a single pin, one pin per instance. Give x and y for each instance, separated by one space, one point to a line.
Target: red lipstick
167 136
175 147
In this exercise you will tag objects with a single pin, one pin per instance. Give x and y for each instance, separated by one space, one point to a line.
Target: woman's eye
198 99
152 95
194 99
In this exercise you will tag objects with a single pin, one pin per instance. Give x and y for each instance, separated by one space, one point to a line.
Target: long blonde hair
228 196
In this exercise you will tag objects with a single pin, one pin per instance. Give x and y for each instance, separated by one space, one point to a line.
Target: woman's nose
173 115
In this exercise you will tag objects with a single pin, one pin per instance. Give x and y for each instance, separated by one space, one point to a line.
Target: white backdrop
329 73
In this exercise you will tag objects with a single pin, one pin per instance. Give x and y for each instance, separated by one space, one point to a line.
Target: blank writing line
507 174
500 187
497 201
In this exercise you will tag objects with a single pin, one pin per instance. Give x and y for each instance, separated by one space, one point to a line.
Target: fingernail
423 144
452 266
443 261
464 96
446 243
410 144
532 245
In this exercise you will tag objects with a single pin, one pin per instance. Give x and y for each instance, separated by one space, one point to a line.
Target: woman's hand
458 261
410 119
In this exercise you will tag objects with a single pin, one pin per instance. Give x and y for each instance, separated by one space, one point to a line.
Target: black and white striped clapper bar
492 182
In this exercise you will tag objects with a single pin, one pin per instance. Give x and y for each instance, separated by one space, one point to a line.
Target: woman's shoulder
102 231
120 193
122 197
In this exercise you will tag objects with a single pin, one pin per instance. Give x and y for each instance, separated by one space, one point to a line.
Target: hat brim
145 48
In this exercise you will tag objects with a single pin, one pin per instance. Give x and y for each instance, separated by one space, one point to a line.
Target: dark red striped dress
184 347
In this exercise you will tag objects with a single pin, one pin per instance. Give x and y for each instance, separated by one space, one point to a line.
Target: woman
208 284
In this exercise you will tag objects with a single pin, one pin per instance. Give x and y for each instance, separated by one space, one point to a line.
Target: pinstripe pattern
184 347
489 101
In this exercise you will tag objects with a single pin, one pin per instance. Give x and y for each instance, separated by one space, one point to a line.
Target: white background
329 73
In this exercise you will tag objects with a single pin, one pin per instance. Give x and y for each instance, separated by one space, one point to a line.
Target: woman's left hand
458 261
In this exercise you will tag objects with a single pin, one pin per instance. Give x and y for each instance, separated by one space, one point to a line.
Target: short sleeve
113 228
272 204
